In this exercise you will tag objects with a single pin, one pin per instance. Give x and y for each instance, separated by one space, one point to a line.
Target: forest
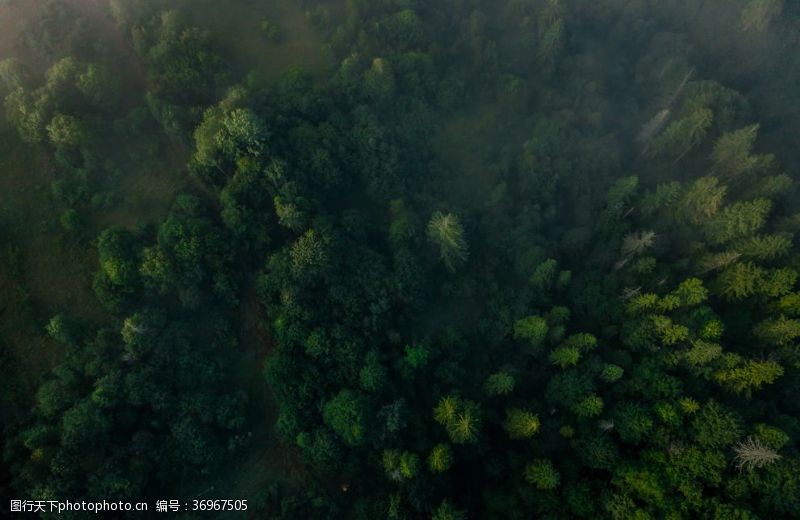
401 259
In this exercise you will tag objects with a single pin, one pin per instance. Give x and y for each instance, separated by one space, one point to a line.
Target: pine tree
440 458
446 410
520 424
764 247
565 356
461 418
731 153
749 376
464 428
738 281
591 406
611 373
701 200
542 474
499 383
542 277
779 331
739 220
446 232
446 511
637 243
400 466
532 329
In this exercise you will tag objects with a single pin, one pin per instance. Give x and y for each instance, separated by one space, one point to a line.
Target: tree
591 406
752 453
702 353
461 418
684 134
746 376
242 134
66 130
715 426
99 86
632 422
690 292
520 424
565 356
551 43
764 247
446 232
731 154
183 66
12 75
346 413
499 383
542 474
611 373
400 466
779 331
309 254
757 14
532 329
738 220
636 243
447 511
440 458
372 375
543 275
446 410
61 330
738 281
271 32
701 200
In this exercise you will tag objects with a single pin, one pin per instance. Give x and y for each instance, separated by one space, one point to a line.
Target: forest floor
237 27
265 460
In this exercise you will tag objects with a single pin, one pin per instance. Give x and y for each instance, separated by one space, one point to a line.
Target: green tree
739 281
779 331
591 406
738 220
372 375
532 330
565 356
611 373
731 153
347 414
309 254
66 130
400 466
499 383
749 375
440 458
542 474
461 418
701 200
446 511
520 424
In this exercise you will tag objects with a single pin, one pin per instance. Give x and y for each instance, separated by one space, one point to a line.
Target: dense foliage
518 259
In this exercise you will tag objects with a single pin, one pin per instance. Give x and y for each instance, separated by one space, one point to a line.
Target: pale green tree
445 230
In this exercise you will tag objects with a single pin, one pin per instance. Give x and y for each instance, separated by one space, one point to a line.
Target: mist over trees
403 259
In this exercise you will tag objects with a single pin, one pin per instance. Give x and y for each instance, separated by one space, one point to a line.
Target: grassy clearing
237 27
